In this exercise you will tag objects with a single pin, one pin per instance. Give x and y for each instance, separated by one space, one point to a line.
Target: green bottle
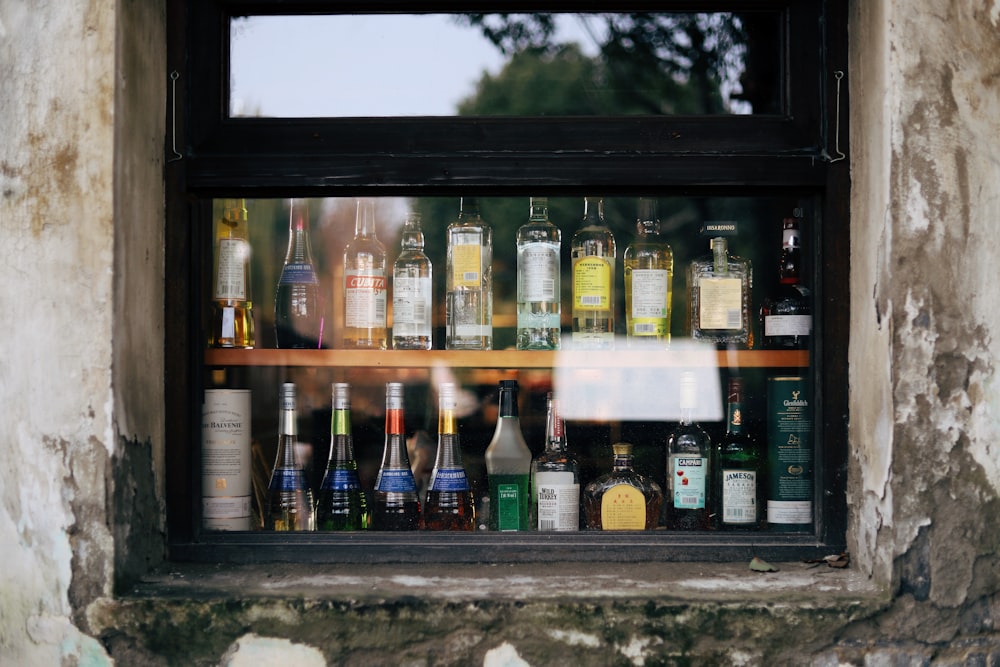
341 503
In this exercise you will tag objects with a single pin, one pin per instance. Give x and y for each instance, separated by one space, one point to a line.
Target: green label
508 507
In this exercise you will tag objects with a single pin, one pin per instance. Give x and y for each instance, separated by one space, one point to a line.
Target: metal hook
173 117
838 75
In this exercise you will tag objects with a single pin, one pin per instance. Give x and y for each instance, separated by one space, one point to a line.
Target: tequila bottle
738 472
289 501
622 499
449 504
719 295
538 291
555 477
508 466
396 505
786 317
232 305
298 309
688 476
341 503
469 289
365 285
412 291
593 253
649 275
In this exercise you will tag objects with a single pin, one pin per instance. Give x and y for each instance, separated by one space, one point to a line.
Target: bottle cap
689 392
446 396
622 448
341 396
393 395
287 396
508 384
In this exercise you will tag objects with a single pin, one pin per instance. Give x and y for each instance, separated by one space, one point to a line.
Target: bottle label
591 283
395 480
225 458
411 300
739 496
508 507
649 302
226 513
230 281
341 480
287 479
688 474
557 500
789 511
623 507
298 274
538 272
364 300
449 479
466 261
720 303
788 325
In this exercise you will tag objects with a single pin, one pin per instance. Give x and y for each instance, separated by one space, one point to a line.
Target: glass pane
504 65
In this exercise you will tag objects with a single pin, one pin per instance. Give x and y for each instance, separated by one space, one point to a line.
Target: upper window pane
607 64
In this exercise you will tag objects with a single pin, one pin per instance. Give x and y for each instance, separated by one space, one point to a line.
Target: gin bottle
341 503
555 477
366 288
538 272
289 501
622 499
449 504
469 279
649 275
738 472
232 305
719 294
786 317
396 506
298 310
508 466
593 253
688 476
412 291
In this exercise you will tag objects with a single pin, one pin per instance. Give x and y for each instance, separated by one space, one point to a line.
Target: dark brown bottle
786 316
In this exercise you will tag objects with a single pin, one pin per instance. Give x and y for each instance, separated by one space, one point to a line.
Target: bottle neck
648 223
539 210
413 236
234 214
508 402
299 250
468 211
364 223
720 252
791 254
734 407
623 462
593 211
555 429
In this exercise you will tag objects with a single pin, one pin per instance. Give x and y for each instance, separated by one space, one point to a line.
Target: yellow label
591 284
623 507
721 303
466 258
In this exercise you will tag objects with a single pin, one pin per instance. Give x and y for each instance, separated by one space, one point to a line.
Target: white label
739 496
228 322
788 325
721 303
789 511
649 293
230 281
539 266
225 457
411 300
558 501
688 475
364 300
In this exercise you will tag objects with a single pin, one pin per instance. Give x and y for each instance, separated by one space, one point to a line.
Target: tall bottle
649 277
555 477
738 469
412 291
298 308
396 506
449 504
786 317
289 501
232 304
508 467
366 288
719 296
593 253
469 291
622 499
539 301
689 448
341 503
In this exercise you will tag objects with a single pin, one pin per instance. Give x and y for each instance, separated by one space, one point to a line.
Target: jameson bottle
593 253
449 504
555 477
412 291
622 499
288 502
786 317
366 288
341 503
538 292
738 471
719 295
298 309
688 477
232 305
508 467
469 280
649 276
395 506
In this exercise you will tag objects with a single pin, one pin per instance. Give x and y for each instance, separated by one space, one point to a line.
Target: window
737 126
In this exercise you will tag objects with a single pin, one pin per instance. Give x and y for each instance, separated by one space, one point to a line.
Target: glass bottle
508 466
555 477
365 285
786 317
232 304
738 468
649 275
593 253
449 504
412 291
341 503
688 450
469 291
719 295
539 300
622 499
396 505
289 500
298 309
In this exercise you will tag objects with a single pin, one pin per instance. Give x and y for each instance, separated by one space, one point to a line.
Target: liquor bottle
508 466
469 291
298 309
365 284
790 455
688 476
719 296
396 505
232 305
555 477
449 504
341 503
622 499
539 301
412 291
649 276
786 317
289 500
593 253
737 467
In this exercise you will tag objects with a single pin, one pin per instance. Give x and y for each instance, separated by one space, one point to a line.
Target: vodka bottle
538 291
469 291
396 506
786 316
232 305
341 503
688 476
649 275
622 499
555 477
508 466
449 504
289 501
412 291
298 309
593 252
738 473
719 296
365 284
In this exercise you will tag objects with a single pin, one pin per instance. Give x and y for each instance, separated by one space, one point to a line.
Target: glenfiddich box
225 459
789 454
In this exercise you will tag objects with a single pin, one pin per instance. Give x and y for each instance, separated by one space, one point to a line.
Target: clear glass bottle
232 303
412 291
449 504
366 287
689 448
469 290
508 467
738 487
649 276
341 502
298 307
539 300
719 287
786 316
555 477
593 253
622 499
396 505
289 500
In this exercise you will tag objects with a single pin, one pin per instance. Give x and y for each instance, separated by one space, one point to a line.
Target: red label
376 283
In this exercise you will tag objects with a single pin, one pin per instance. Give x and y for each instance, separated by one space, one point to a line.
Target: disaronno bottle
622 499
719 295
